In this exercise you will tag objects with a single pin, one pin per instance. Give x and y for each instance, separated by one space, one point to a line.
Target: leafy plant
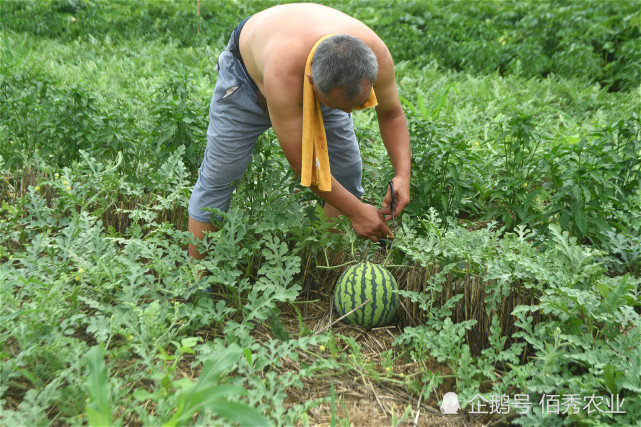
207 393
514 191
98 409
443 169
179 119
600 173
431 111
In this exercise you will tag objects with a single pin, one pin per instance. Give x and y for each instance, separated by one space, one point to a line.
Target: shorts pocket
227 90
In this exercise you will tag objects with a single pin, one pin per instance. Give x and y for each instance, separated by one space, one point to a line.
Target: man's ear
310 78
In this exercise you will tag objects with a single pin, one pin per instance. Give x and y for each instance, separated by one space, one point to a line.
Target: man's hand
401 197
368 223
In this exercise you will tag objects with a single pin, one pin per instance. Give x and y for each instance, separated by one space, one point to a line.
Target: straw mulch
380 403
359 398
15 184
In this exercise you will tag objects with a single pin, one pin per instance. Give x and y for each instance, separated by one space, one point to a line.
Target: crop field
518 260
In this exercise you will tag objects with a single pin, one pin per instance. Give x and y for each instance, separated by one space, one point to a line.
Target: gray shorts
235 123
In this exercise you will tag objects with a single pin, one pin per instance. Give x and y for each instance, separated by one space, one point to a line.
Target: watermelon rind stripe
362 282
373 288
355 288
351 292
385 306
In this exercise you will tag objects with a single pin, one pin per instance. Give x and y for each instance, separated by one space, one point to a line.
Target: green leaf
444 202
421 104
141 394
277 327
99 408
581 222
248 356
439 102
206 392
408 104
609 378
189 341
240 413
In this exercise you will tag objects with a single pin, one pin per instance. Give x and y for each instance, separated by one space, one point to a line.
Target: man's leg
198 229
235 123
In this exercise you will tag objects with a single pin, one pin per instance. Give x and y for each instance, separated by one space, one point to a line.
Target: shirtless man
260 84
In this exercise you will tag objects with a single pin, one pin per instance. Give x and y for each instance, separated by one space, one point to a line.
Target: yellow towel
315 159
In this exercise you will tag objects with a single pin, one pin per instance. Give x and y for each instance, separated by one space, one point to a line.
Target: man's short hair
343 61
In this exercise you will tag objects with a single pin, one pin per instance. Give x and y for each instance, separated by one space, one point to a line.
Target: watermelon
366 281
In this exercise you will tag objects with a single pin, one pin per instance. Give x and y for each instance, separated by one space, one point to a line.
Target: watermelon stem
331 267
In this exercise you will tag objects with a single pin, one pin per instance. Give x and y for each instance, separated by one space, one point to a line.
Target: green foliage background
526 135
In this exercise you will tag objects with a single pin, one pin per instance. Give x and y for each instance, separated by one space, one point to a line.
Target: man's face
335 98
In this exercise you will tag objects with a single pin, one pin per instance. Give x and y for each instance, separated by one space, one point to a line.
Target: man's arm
285 110
393 127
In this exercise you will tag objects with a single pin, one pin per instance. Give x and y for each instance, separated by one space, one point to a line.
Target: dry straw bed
359 398
115 215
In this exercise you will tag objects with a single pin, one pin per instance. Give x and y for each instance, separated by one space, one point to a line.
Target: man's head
344 66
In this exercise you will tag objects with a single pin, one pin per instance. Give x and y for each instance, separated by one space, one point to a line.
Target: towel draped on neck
315 158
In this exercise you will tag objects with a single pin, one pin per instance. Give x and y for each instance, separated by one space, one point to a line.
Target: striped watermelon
366 281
